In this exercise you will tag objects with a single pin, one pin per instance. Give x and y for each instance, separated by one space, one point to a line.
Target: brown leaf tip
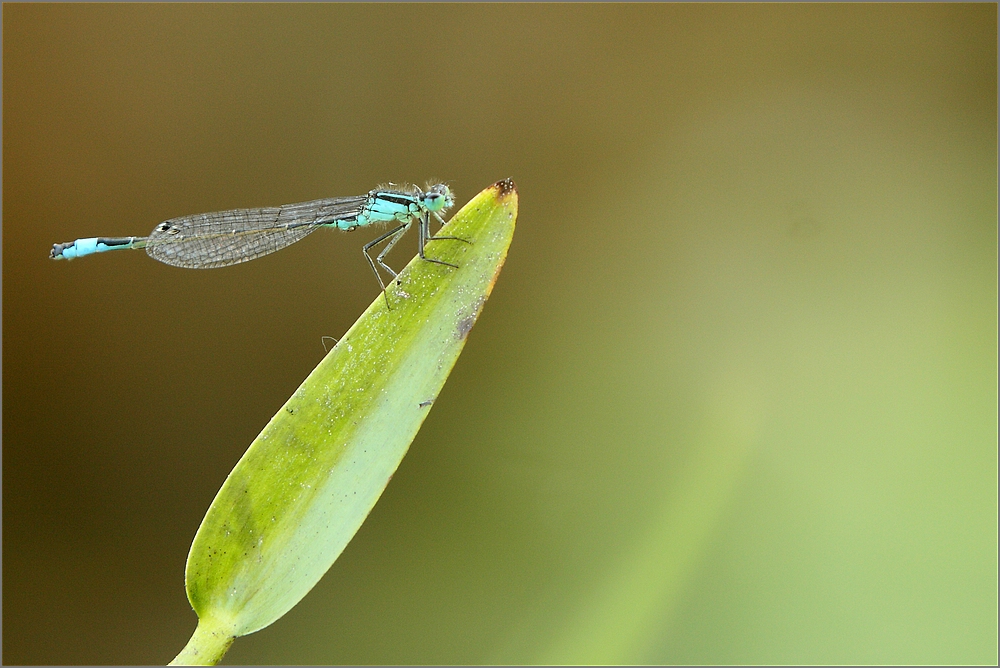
505 188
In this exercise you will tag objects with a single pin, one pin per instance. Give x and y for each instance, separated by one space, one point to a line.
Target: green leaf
307 482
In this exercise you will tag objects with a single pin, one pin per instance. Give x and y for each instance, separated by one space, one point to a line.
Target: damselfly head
438 198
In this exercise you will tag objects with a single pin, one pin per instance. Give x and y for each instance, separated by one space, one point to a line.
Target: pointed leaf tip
504 188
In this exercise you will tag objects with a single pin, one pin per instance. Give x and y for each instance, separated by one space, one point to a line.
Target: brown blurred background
733 399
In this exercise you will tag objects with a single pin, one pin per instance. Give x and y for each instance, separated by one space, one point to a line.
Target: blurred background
733 399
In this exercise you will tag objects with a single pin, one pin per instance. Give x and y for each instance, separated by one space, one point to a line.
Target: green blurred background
734 397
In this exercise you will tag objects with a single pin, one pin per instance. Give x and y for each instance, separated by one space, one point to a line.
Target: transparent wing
223 238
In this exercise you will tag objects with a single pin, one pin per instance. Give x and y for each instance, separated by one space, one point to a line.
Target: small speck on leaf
465 326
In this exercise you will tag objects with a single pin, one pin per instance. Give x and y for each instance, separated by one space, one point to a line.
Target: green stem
210 642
